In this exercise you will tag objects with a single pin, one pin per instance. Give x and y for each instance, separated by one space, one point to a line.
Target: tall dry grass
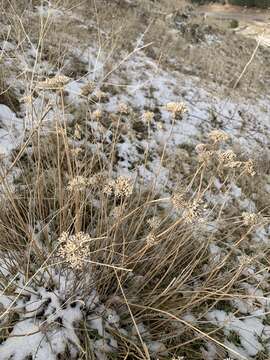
68 219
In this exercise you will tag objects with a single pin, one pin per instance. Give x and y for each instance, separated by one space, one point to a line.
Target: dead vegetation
133 269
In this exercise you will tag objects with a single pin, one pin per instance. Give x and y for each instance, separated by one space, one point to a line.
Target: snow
144 84
11 130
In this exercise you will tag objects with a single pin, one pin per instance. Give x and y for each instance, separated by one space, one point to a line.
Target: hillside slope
134 184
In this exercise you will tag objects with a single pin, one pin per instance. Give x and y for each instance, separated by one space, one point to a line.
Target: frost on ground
131 95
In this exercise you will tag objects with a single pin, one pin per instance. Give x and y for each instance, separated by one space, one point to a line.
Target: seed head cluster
88 88
201 148
210 153
73 248
148 116
108 188
178 201
56 82
194 211
151 240
121 187
123 109
178 109
249 167
154 222
244 260
250 219
226 157
206 157
79 183
97 114
218 136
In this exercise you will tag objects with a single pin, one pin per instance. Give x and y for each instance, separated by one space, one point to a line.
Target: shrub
234 24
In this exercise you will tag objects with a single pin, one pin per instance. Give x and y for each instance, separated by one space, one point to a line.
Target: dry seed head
98 179
227 157
73 248
123 186
206 156
123 109
154 222
88 88
234 164
78 132
178 201
201 148
249 167
100 95
244 260
151 240
177 108
250 219
108 187
97 114
148 116
218 136
193 211
79 183
56 82
76 151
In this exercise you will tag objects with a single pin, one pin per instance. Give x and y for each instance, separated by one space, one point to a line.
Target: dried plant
74 249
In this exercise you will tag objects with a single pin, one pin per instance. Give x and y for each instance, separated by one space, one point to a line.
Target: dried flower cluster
194 211
121 187
244 260
79 183
56 82
191 210
99 96
109 187
154 222
73 248
178 201
226 157
123 109
78 132
209 153
201 148
97 114
218 136
206 156
250 219
249 167
97 179
148 116
76 151
151 240
178 109
88 88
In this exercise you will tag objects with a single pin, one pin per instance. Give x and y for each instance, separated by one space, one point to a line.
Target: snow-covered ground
142 85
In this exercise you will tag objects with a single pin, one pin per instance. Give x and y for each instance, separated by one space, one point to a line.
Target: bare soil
253 22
